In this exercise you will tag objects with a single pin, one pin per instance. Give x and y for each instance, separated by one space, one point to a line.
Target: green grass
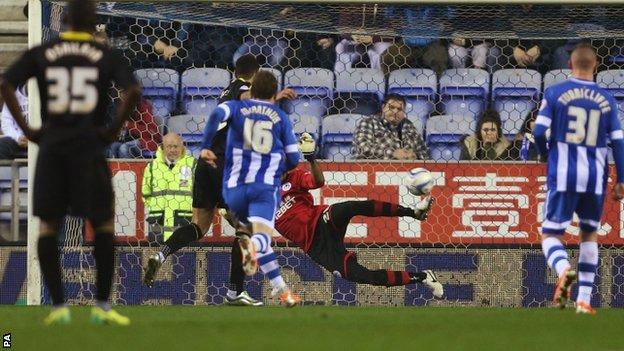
319 329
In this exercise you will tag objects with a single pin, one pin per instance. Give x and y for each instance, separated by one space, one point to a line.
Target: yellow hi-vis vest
167 193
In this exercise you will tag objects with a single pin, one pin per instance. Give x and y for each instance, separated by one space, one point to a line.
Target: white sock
556 255
271 269
587 266
262 242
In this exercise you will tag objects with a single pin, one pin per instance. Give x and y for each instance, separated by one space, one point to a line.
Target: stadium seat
419 87
314 88
338 136
444 133
190 127
464 91
613 81
515 93
359 91
160 85
278 75
556 76
201 88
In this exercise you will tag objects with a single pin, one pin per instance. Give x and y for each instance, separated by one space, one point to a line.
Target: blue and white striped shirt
259 137
583 119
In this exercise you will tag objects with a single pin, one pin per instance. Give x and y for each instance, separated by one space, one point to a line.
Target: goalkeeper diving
319 230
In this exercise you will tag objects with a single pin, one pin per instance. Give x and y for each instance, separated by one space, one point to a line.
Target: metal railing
15 208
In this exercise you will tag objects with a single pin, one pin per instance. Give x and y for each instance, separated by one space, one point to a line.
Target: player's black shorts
76 183
207 186
327 248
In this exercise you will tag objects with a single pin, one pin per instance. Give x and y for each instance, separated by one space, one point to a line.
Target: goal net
453 64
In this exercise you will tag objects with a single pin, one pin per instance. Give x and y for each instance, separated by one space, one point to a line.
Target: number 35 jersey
583 118
74 74
261 144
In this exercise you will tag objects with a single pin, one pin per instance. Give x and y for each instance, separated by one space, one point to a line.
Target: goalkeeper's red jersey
297 215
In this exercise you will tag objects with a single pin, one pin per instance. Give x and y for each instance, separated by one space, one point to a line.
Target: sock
262 242
104 262
587 266
271 269
48 252
180 238
103 305
417 277
556 255
396 278
237 275
387 209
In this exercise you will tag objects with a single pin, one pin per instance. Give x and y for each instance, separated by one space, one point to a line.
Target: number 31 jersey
74 74
583 118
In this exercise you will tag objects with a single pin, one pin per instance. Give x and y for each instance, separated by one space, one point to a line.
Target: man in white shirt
13 143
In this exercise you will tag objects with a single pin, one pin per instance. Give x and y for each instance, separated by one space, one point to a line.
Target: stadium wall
199 276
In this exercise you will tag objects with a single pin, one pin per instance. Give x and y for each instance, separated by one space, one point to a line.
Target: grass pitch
319 329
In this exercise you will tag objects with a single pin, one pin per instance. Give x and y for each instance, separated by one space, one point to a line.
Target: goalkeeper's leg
342 213
355 272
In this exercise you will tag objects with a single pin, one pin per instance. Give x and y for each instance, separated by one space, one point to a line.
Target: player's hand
287 94
618 192
325 43
307 145
209 157
33 135
22 141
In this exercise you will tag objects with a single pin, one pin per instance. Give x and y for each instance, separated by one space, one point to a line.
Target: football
419 181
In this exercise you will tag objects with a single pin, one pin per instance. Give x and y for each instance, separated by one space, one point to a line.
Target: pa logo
6 341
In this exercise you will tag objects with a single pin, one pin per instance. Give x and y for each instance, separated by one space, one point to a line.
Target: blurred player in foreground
582 118
74 74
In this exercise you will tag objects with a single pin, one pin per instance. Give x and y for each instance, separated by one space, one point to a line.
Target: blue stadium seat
359 91
278 75
613 81
160 85
201 88
464 91
419 87
314 88
338 136
189 127
556 76
444 133
515 93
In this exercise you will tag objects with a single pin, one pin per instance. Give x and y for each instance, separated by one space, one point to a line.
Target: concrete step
12 10
13 32
9 52
13 27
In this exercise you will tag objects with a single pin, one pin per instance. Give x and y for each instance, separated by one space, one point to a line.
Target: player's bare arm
8 94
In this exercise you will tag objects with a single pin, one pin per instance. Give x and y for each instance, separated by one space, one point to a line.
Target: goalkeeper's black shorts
328 248
208 186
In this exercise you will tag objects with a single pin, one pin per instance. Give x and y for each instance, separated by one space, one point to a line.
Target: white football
419 181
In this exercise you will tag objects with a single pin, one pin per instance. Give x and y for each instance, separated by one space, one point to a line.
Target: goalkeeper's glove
307 145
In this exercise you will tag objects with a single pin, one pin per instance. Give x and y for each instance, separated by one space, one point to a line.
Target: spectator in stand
488 142
524 143
471 53
167 188
142 135
389 136
13 144
352 48
419 46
